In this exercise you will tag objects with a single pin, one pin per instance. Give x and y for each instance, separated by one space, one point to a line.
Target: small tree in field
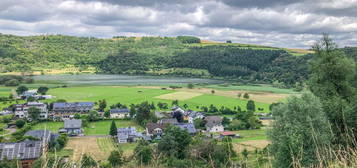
42 90
250 105
34 113
190 86
113 129
21 89
246 96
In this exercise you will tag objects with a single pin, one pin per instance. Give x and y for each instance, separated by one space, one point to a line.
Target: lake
101 79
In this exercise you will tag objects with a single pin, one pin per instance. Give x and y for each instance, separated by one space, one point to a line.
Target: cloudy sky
282 23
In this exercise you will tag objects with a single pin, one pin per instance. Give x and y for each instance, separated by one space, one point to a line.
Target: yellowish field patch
88 145
179 95
250 145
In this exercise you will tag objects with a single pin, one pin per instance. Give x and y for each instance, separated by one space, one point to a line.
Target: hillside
187 56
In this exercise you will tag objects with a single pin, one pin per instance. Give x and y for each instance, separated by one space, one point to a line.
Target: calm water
96 79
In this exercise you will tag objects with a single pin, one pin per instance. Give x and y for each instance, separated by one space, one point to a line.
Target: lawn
251 135
106 144
128 95
258 88
52 126
102 127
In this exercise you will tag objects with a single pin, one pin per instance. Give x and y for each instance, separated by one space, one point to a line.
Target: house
191 116
189 127
27 152
66 110
214 124
29 93
154 129
73 126
42 135
128 134
119 113
5 111
21 110
177 109
171 121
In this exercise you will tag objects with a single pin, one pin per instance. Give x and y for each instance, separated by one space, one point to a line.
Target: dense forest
183 55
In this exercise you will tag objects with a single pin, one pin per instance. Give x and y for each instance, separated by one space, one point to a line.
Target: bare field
181 95
250 145
89 145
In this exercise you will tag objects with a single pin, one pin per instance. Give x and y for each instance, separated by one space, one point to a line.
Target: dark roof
22 150
152 126
168 121
212 121
76 104
40 134
72 123
187 126
124 110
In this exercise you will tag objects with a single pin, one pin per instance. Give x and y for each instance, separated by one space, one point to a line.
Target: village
37 142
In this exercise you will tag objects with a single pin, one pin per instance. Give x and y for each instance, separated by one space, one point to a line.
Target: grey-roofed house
189 127
214 124
27 152
43 135
65 110
119 113
171 121
191 116
73 126
128 134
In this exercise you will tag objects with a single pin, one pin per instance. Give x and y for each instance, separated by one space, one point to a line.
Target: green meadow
128 95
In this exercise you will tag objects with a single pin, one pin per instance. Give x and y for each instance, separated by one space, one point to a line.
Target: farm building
229 134
66 110
27 152
119 113
28 94
73 126
128 134
214 124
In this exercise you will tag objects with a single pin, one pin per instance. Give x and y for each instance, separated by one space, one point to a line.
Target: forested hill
183 55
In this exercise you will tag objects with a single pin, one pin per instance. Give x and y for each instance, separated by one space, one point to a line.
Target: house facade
21 110
73 126
214 124
66 110
119 113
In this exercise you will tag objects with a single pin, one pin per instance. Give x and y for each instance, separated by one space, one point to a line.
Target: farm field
86 145
128 95
102 127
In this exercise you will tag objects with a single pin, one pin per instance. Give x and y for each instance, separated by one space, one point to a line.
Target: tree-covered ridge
154 54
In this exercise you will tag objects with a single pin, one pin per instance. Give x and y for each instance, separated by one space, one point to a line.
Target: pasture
129 95
179 96
102 127
52 126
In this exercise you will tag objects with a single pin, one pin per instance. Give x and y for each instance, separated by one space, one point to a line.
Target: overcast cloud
281 23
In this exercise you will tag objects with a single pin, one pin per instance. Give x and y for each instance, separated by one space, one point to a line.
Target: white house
21 110
119 113
191 116
214 124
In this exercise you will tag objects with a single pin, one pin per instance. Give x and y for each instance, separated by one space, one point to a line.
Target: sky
280 23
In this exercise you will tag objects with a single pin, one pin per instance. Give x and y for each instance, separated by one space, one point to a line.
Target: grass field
102 127
52 126
106 144
86 145
128 95
259 88
179 96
